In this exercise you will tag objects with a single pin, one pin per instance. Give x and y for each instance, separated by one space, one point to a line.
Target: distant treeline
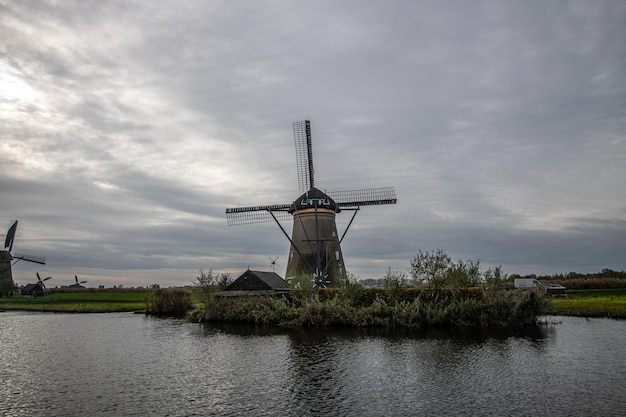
607 279
606 273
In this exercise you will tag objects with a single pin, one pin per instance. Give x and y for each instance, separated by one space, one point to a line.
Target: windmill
77 284
41 282
6 258
315 246
273 263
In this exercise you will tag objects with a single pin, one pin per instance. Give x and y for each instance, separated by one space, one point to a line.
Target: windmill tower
6 261
315 248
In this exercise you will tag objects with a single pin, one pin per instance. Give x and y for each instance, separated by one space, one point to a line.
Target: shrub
168 302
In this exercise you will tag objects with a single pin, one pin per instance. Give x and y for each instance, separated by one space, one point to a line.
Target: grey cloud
501 125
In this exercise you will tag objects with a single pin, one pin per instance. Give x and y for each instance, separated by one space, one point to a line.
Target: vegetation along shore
455 294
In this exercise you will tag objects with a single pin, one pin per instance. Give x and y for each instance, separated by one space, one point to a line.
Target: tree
430 267
495 278
224 281
437 270
394 283
205 283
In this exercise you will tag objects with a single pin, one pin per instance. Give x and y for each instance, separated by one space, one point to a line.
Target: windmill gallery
315 246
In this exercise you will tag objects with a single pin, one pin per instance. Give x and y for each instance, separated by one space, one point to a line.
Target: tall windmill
6 260
315 248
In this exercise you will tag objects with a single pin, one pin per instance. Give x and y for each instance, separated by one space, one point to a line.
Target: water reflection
124 364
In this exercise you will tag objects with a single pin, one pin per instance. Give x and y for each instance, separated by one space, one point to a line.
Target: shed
257 283
32 289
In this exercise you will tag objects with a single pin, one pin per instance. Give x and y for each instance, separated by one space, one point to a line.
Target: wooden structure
6 274
33 289
253 283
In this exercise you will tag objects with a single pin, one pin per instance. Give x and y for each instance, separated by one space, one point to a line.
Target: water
125 365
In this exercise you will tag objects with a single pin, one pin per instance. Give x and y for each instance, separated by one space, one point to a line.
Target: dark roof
29 289
313 198
258 281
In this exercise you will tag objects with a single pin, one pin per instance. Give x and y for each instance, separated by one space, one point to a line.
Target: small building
32 289
256 283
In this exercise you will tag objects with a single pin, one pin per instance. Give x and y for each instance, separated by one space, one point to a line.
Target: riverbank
591 303
78 302
581 303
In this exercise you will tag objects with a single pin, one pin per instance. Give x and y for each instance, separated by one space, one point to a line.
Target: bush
462 307
168 302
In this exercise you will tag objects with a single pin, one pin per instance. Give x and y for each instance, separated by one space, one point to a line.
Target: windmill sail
304 155
8 241
257 214
364 197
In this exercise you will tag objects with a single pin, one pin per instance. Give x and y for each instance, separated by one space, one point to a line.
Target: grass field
592 303
77 302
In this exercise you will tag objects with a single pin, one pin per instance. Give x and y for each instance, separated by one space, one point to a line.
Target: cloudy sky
127 128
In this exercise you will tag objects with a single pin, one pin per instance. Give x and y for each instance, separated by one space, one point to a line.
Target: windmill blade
38 276
30 258
257 214
8 241
304 155
364 197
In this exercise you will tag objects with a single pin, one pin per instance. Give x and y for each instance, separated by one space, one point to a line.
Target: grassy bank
333 308
441 308
78 302
592 303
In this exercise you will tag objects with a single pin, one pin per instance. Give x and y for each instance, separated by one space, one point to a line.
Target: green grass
78 302
592 303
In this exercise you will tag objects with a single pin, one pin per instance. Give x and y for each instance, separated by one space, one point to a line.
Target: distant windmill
40 281
315 245
77 284
273 263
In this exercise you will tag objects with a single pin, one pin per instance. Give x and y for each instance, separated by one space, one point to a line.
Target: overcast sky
127 128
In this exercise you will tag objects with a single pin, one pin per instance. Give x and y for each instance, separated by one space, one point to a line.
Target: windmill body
315 245
314 240
7 258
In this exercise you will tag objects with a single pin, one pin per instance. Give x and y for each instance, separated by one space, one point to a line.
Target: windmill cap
314 198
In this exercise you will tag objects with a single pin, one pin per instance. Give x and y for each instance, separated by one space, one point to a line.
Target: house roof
31 288
258 281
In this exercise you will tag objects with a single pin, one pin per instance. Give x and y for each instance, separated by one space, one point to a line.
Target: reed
168 302
425 309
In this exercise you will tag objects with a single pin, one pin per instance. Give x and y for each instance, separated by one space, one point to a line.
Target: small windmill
77 284
273 263
41 282
315 245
